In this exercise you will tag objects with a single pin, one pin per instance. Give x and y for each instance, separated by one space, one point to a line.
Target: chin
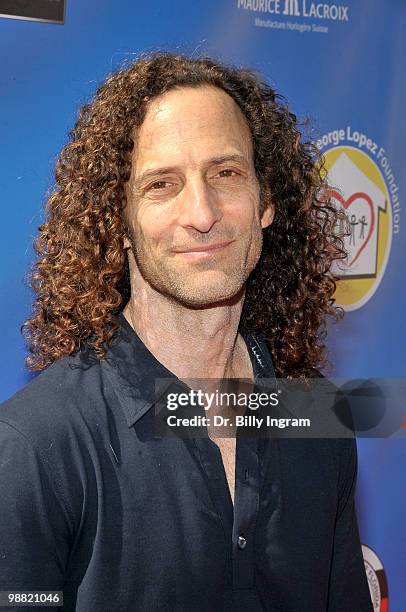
202 289
206 296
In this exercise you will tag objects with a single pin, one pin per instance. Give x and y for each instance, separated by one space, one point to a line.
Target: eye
158 185
228 172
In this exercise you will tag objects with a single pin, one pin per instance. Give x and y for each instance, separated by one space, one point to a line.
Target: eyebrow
209 162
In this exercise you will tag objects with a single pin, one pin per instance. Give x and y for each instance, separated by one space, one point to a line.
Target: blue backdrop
342 65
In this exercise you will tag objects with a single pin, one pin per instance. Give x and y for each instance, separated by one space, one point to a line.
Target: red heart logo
332 193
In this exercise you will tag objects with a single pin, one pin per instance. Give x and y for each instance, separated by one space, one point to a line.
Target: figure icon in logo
353 223
347 225
363 224
342 225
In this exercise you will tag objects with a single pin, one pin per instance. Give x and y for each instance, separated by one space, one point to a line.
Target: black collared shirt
94 505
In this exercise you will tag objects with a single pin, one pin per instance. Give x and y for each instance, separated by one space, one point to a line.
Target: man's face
193 198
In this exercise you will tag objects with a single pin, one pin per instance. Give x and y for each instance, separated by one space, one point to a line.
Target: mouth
203 250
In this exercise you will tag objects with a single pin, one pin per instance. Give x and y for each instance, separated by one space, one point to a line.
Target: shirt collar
133 370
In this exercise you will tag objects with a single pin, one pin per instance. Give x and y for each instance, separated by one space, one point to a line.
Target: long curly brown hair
81 275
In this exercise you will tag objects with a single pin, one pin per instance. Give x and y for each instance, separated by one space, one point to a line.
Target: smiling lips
204 250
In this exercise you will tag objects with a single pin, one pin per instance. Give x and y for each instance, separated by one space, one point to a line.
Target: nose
199 206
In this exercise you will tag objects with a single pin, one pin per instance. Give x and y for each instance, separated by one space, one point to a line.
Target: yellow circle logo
358 188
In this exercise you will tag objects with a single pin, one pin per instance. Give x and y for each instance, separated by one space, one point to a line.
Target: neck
191 343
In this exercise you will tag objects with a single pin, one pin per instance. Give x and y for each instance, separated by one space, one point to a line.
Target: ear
267 215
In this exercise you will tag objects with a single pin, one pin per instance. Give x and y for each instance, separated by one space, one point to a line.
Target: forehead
188 123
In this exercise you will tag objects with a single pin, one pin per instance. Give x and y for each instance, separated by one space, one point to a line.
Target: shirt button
241 542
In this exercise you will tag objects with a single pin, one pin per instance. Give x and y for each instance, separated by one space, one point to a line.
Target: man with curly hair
187 238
